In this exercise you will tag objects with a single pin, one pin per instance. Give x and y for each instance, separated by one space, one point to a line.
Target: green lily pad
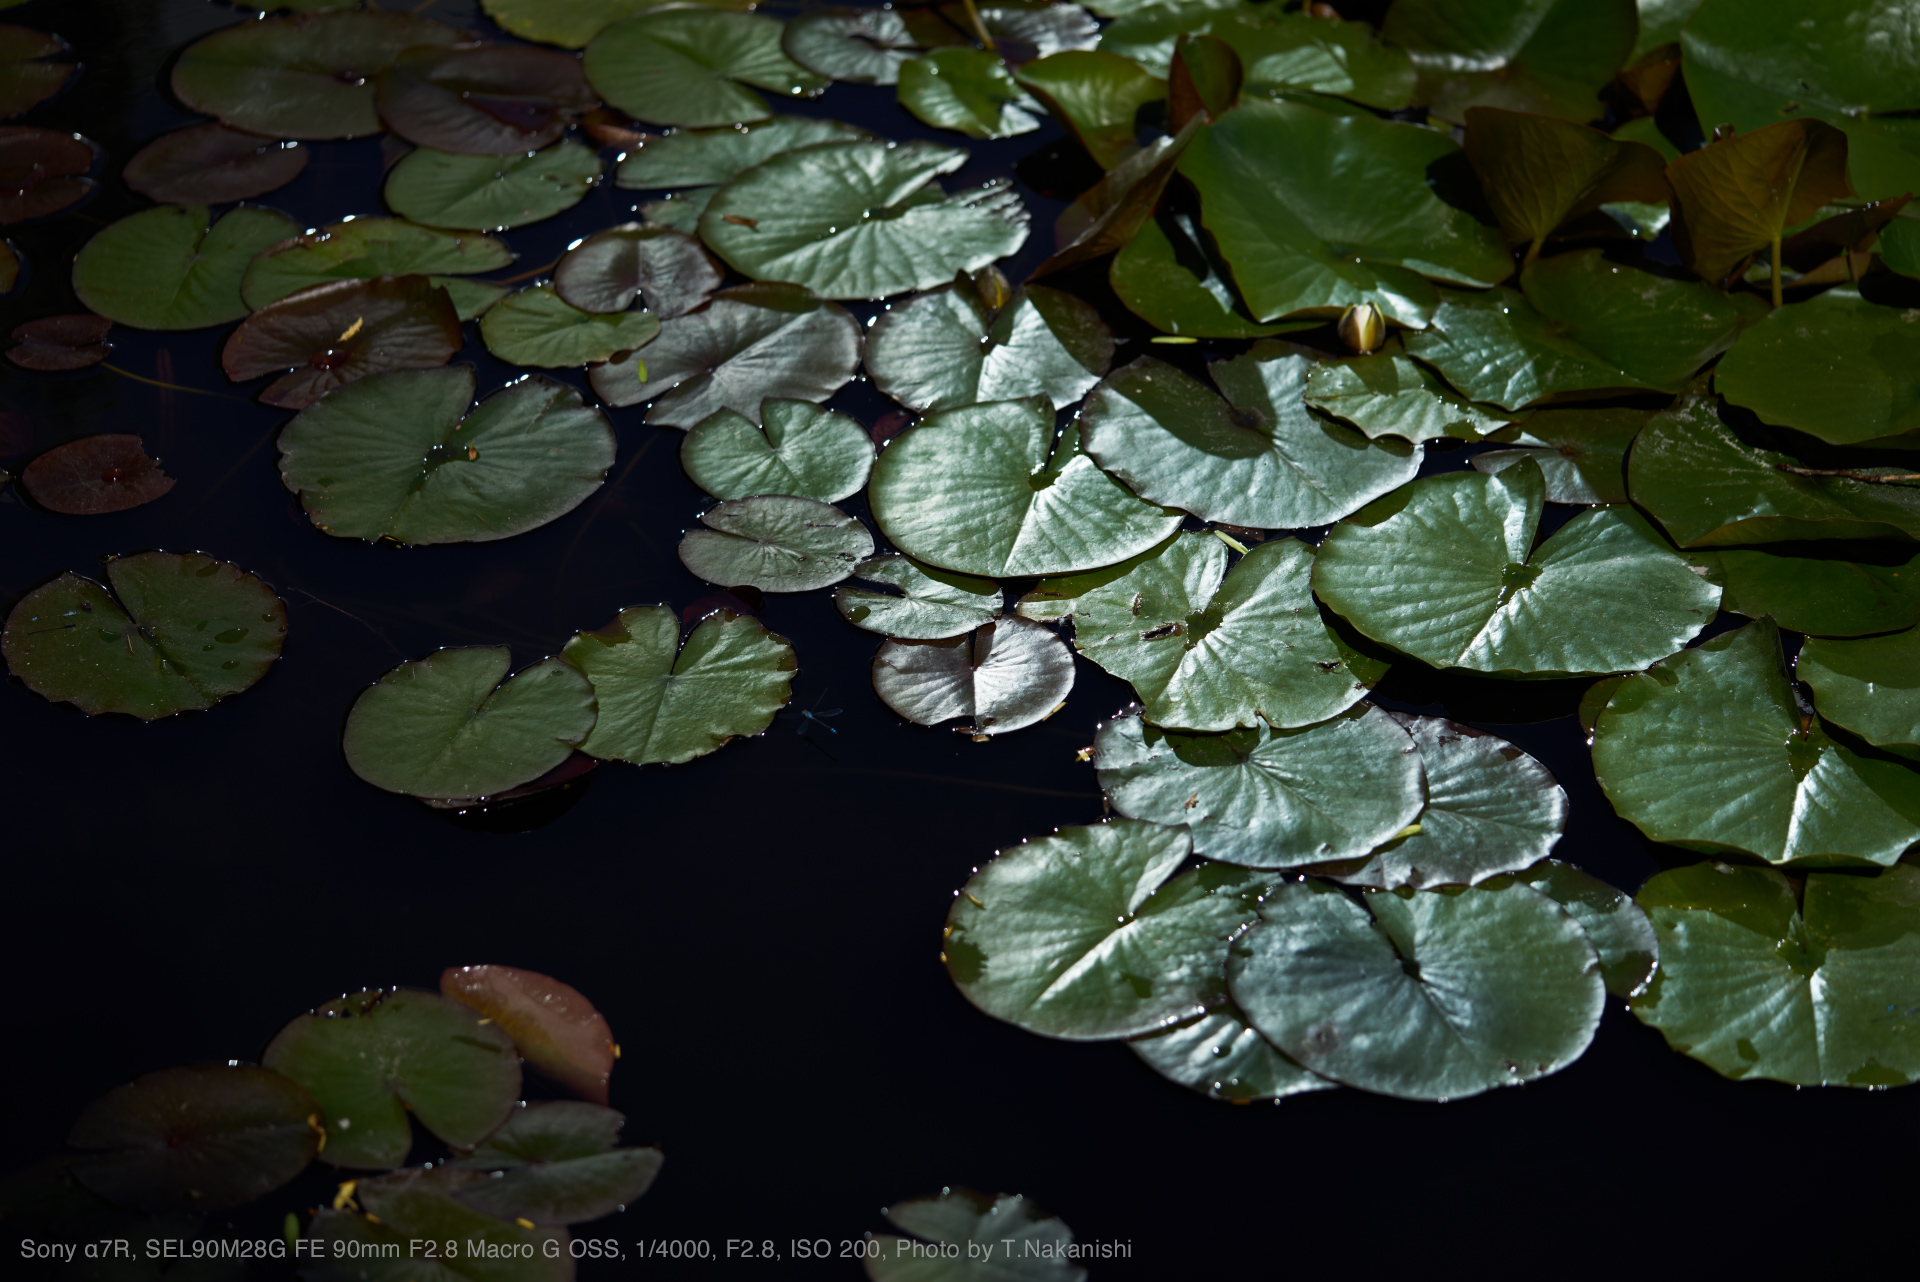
1709 750
363 248
1108 215
861 219
991 1239
1081 935
1208 648
200 1138
709 157
1836 367
1900 246
1166 277
797 448
446 726
967 89
1822 596
1736 196
1257 458
965 344
482 99
371 1058
555 1028
334 334
1540 171
419 1206
1490 808
1619 931
28 76
927 604
177 632
1224 1057
166 268
609 271
775 542
538 327
1268 798
1318 213
750 344
571 24
1281 52
1871 686
1814 988
691 66
858 46
557 1164
1423 994
1551 56
398 456
1581 453
1096 95
680 211
490 193
1387 394
1584 325
665 701
1446 570
1007 674
987 490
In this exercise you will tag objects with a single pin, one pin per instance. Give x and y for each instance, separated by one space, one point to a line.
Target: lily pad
1111 213
1166 277
1550 56
708 157
572 24
861 219
1389 395
211 164
200 1138
1711 751
1813 988
1540 171
1002 1239
29 74
1584 325
304 75
749 344
1007 674
1737 195
482 99
1446 570
664 701
858 46
59 343
1422 994
553 1026
1871 686
177 632
1258 458
1224 1057
1617 927
775 542
42 171
987 490
927 604
418 1205
166 268
1087 935
1836 367
1582 454
446 726
555 1164
1268 798
965 344
398 456
331 335
1821 596
967 89
490 193
798 448
1317 213
691 66
1097 95
538 327
372 1058
95 474
609 271
363 248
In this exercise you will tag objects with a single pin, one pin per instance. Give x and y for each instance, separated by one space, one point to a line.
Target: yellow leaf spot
353 328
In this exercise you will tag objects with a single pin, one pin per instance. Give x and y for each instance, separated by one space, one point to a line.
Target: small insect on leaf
354 328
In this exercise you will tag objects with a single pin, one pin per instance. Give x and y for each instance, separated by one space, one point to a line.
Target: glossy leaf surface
211 164
692 66
709 157
1871 686
1387 394
1582 454
969 90
1030 1241
1549 56
1224 1057
612 269
556 1164
331 335
1818 595
1005 675
1616 926
167 268
1736 196
858 46
95 474
1541 171
538 327
482 99
1095 94
490 193
927 604
1836 367
775 542
797 448
953 347
364 248
555 1028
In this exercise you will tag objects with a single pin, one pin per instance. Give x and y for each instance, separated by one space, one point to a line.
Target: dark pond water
761 927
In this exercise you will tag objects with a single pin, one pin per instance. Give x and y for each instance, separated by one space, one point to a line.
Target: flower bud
1362 328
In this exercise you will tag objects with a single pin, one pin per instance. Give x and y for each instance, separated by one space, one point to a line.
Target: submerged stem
979 27
1776 272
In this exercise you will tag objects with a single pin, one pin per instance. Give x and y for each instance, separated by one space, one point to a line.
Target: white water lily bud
1362 328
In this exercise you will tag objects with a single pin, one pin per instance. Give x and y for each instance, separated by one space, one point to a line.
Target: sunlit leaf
1281 52
1822 596
1550 56
691 66
927 604
1108 215
1387 394
709 157
95 474
1836 366
1871 686
490 193
1006 674
556 1164
166 268
859 46
362 248
1097 96
970 90
482 99
212 164
538 327
45 171
1224 1057
609 271
571 24
1541 171
28 73
1166 277
330 335
1581 453
1736 196
418 1205
1619 930
555 1028
959 346
1004 1238
797 448
775 542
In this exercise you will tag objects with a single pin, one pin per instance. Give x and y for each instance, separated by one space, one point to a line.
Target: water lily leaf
177 631
1166 277
1043 28
420 1205
749 344
482 99
538 327
775 542
689 66
1389 395
1208 648
555 1028
1268 798
1550 56
1224 1057
42 171
1082 935
1817 993
57 343
572 24
1258 458
1822 596
1446 570
1619 931
1581 453
1032 1246
1097 96
1736 196
211 164
709 157
28 75
334 334
167 269
490 193
1836 367
858 46
557 1165
1541 171
798 448
1871 686
1710 750
363 248
607 272
928 604
661 701
986 489
1281 52
1007 674
970 90
1423 994
1203 80
304 75
95 474
861 219
1108 215
1490 808
1900 246
1709 484
445 726
958 346
199 1138
373 1057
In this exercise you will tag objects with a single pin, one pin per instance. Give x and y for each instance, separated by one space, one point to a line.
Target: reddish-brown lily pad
42 171
95 475
26 75
212 164
482 99
61 342
330 335
557 1030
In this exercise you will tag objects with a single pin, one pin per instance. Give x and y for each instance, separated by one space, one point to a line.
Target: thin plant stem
979 27
1776 273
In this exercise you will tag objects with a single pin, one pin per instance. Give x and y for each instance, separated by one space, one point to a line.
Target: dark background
762 926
